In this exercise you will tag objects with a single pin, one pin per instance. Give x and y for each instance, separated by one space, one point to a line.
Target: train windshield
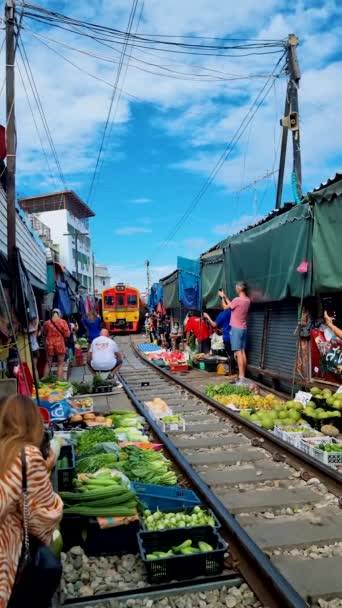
109 301
120 300
132 300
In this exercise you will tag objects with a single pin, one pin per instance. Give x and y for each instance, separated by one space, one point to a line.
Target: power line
35 92
118 74
179 75
224 156
36 125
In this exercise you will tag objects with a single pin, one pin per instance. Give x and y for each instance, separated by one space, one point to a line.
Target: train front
121 309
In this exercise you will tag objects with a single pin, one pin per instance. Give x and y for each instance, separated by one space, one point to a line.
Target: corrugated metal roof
329 182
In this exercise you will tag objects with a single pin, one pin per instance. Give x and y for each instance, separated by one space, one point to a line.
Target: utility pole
10 130
93 257
148 277
291 121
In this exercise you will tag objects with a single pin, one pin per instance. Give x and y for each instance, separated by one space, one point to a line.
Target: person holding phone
239 307
329 321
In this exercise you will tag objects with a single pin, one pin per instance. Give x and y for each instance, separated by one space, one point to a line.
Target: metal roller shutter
281 339
255 333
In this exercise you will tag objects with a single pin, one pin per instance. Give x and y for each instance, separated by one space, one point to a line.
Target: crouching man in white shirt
104 355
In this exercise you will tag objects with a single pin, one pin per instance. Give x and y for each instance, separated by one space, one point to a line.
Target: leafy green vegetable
49 379
91 464
146 466
80 388
331 447
226 388
87 440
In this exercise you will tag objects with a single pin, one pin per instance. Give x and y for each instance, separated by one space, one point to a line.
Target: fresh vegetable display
215 390
146 466
171 419
185 548
330 447
86 441
103 496
91 464
166 521
82 388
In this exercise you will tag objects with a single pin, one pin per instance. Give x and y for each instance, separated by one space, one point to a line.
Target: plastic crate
283 432
110 541
102 389
308 444
171 426
65 476
188 511
181 567
86 533
179 367
164 498
328 458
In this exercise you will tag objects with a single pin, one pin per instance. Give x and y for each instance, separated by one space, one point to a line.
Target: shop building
67 218
102 278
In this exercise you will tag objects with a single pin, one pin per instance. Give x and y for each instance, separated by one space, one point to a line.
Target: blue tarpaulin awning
189 285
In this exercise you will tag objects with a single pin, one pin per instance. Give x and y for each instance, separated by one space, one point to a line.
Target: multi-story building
102 278
67 218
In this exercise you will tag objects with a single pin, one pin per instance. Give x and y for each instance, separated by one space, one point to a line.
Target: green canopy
327 238
170 290
267 257
213 278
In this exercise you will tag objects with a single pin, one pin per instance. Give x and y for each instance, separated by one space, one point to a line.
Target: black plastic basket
188 511
85 532
65 476
182 567
102 389
110 541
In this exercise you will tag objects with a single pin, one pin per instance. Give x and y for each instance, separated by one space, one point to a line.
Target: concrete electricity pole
148 277
10 129
290 122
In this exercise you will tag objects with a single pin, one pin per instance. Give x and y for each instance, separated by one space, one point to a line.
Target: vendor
104 356
329 321
222 322
199 328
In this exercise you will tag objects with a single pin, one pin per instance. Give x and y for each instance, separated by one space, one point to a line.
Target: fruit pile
168 521
282 414
251 401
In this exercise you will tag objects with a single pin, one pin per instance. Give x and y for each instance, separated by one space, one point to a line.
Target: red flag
3 151
303 267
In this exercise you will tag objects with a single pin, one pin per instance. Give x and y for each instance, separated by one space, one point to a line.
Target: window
132 300
109 301
120 301
104 283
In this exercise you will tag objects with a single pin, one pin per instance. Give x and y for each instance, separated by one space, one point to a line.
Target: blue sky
167 138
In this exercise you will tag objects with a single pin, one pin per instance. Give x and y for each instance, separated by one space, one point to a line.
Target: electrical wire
167 44
35 92
118 74
224 156
179 75
36 126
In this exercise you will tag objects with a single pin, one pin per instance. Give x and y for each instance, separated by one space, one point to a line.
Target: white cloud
195 246
131 230
202 115
141 201
236 225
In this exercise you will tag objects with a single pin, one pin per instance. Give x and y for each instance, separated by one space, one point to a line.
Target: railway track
280 510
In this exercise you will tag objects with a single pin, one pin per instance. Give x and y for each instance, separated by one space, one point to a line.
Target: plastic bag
106 447
217 342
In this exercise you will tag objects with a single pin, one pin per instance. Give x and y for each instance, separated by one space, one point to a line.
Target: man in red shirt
201 331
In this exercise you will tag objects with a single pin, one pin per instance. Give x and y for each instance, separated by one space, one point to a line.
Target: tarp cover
327 244
62 299
156 296
213 279
189 282
170 290
267 256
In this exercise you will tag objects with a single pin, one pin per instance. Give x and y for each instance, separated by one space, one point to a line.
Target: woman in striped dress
21 427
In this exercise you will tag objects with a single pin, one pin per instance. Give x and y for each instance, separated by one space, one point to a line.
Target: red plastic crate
179 367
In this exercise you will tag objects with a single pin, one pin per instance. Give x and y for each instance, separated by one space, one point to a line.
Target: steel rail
295 457
264 578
